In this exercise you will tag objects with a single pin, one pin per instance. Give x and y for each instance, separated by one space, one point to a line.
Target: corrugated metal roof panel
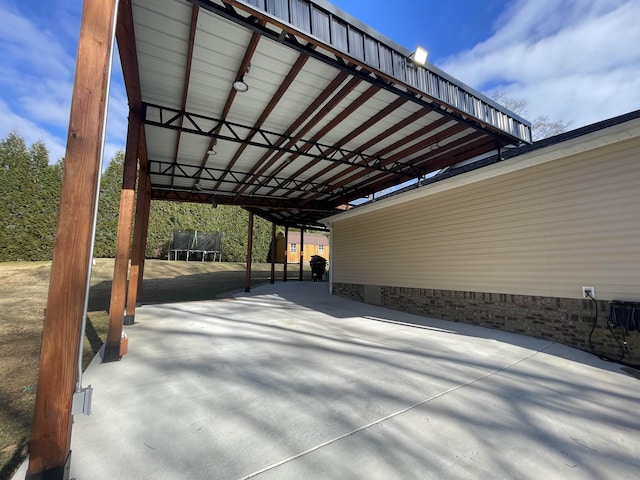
332 110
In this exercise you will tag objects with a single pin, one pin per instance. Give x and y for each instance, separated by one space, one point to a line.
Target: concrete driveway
288 382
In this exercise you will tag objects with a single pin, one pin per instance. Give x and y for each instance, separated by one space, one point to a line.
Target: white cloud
48 102
36 74
573 60
30 131
37 64
33 48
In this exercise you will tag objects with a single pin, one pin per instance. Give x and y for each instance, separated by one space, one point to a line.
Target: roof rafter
397 103
125 37
244 65
427 162
370 92
332 96
431 140
282 89
187 73
334 109
390 148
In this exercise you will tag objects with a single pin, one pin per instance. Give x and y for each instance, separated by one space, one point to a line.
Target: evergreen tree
31 187
109 207
46 199
30 195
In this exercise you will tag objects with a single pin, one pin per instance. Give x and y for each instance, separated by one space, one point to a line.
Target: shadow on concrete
289 382
383 314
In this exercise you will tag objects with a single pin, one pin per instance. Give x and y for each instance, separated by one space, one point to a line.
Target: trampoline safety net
190 244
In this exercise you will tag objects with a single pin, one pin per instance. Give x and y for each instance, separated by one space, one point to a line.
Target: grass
23 297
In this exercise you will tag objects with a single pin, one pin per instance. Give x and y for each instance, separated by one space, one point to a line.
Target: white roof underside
303 158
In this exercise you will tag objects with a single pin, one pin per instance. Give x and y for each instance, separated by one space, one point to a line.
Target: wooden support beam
144 164
286 253
145 224
274 250
247 278
49 453
126 39
301 253
123 242
139 244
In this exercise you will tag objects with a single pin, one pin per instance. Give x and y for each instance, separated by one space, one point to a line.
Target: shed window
320 248
294 248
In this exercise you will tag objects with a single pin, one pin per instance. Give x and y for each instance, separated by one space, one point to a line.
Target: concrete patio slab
289 382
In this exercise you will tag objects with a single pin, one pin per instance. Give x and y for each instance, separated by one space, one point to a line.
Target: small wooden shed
293 246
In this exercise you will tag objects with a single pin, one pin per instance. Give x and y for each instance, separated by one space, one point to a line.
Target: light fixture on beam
419 57
211 151
240 85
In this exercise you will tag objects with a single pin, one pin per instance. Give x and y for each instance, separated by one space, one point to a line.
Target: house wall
511 251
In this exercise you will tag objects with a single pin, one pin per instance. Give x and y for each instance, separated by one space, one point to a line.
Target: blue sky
573 60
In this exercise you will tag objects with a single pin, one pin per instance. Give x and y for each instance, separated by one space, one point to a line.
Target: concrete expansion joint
396 414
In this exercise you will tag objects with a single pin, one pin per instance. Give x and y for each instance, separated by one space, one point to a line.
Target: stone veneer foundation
563 320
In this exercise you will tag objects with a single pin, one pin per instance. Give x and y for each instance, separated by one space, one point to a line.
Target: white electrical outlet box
81 402
588 292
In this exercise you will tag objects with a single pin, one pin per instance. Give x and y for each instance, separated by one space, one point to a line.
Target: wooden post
301 252
274 251
286 253
129 61
247 278
49 453
123 242
145 230
139 237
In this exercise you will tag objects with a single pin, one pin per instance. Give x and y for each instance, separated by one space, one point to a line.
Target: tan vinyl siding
545 230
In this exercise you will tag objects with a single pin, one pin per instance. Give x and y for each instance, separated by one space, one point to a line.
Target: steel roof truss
185 194
232 131
212 174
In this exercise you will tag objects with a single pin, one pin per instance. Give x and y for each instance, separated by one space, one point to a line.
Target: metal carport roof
333 112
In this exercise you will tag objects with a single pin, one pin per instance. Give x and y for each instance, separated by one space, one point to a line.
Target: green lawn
23 296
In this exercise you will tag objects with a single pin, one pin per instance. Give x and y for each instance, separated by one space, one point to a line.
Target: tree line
31 186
